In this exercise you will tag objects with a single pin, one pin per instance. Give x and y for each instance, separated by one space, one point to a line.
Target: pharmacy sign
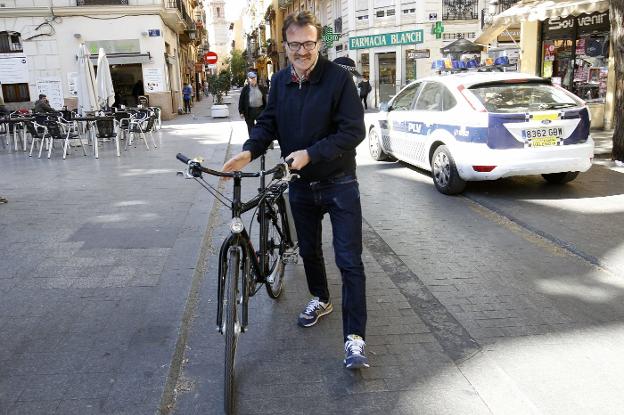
387 39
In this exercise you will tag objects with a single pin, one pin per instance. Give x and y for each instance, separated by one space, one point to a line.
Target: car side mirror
386 107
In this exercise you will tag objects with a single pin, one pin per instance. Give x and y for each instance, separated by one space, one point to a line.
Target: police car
484 126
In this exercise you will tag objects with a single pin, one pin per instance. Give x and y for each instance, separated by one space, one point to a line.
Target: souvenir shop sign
585 23
386 39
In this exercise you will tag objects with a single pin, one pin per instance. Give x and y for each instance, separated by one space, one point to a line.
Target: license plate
543 137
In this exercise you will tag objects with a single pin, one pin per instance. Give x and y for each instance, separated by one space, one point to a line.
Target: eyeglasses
295 46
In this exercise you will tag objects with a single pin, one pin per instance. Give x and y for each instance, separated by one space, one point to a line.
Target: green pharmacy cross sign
437 29
329 37
388 39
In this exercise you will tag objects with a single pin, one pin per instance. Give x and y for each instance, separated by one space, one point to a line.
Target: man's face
302 59
253 81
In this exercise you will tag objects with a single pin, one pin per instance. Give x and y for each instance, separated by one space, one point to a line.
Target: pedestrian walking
314 112
252 100
187 94
365 88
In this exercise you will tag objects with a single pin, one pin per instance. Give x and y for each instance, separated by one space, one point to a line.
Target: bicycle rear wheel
276 246
232 326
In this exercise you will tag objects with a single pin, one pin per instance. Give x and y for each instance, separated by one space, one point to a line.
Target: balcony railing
504 5
459 10
101 2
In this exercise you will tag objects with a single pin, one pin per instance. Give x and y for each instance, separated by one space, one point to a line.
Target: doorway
125 79
386 76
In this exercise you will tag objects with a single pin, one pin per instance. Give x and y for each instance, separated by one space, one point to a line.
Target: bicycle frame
258 263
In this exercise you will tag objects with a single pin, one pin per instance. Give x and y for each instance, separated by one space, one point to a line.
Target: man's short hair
41 96
301 19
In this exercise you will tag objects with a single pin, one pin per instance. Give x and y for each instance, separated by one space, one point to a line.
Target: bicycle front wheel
276 246
232 325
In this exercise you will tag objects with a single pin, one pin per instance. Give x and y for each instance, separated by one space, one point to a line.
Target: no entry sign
210 58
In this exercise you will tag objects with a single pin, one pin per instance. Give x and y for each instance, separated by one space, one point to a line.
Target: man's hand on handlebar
238 162
300 159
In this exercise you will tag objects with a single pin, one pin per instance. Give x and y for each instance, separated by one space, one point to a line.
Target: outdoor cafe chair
105 129
141 123
38 132
59 130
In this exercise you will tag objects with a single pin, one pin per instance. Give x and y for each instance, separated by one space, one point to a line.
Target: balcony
459 10
175 16
101 2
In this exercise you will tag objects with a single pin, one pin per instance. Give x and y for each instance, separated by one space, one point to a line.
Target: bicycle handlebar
195 169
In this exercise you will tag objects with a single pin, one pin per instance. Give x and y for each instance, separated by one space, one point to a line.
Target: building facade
219 31
392 41
148 43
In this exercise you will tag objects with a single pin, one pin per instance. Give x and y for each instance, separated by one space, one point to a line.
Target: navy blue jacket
323 116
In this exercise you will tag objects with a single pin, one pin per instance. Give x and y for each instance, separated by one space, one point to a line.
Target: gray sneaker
313 311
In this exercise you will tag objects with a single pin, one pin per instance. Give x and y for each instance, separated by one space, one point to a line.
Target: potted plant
218 85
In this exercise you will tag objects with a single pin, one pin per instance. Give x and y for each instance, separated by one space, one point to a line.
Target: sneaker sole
327 311
354 366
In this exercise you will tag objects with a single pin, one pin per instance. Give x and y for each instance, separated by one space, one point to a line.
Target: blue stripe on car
496 136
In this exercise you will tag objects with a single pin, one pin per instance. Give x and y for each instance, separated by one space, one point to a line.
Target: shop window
15 92
10 42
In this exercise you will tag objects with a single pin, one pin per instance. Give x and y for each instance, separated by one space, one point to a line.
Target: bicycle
242 270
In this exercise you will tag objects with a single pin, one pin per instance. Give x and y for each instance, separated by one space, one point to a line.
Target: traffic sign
210 58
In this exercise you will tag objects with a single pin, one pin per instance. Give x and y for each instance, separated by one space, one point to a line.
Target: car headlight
237 225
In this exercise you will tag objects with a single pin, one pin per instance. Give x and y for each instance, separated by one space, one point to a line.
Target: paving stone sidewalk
97 259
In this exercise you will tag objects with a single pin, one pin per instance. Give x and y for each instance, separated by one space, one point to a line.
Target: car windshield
522 97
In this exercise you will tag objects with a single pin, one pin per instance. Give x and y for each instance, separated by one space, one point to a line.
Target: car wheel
560 178
374 146
444 172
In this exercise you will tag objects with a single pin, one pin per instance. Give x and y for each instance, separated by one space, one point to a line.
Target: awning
461 46
533 10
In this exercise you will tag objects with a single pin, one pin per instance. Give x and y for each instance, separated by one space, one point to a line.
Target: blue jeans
340 198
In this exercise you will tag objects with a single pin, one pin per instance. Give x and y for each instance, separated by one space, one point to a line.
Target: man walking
314 112
187 94
252 100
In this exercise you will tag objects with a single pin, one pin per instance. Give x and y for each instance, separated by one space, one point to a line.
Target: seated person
3 108
42 105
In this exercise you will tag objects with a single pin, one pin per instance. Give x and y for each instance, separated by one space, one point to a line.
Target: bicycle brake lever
184 174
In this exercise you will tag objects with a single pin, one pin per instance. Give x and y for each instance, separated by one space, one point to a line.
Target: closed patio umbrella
104 81
87 92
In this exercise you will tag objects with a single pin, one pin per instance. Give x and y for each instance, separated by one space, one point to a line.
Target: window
403 101
10 42
409 11
363 17
430 99
380 13
390 12
218 12
448 100
522 97
459 10
15 92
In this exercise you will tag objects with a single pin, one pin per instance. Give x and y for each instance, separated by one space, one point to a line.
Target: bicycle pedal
290 258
